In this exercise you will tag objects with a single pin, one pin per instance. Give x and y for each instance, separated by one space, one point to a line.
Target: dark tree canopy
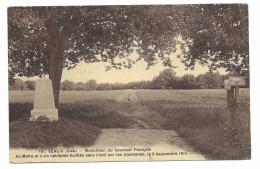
44 40
216 34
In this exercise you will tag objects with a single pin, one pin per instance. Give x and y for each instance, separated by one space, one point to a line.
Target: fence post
230 97
236 94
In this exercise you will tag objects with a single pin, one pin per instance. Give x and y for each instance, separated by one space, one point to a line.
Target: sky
84 72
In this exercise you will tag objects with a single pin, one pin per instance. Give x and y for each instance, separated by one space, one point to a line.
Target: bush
18 85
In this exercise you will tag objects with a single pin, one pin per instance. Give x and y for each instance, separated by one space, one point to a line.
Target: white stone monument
44 101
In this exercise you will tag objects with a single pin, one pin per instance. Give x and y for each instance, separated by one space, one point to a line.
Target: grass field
201 117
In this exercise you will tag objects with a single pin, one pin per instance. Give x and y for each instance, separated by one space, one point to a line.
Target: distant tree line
21 85
166 79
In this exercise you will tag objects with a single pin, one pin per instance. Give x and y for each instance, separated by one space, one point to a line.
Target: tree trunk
55 44
55 68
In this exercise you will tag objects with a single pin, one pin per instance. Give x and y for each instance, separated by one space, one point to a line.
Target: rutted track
130 97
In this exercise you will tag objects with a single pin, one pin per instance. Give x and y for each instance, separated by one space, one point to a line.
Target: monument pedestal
44 101
52 114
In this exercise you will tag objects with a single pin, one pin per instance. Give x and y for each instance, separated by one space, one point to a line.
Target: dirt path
143 134
130 97
160 141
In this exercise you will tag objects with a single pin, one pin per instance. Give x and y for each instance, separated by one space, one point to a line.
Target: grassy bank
64 132
210 129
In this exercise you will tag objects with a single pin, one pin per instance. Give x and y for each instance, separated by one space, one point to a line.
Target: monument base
52 114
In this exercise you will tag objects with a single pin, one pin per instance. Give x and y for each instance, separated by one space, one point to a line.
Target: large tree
44 40
165 80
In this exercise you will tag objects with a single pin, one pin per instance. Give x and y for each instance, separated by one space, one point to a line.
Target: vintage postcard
129 83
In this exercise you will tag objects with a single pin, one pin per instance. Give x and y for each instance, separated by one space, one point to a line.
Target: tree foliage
68 85
80 86
30 84
164 80
44 40
91 85
212 80
217 33
104 86
17 85
188 82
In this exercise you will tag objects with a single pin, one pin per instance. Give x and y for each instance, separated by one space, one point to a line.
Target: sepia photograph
128 83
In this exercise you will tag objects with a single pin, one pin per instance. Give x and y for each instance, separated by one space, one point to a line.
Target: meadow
201 117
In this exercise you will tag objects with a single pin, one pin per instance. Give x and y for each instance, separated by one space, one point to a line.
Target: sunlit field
201 117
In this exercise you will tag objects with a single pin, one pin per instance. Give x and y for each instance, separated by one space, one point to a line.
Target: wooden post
232 119
230 97
236 94
232 86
